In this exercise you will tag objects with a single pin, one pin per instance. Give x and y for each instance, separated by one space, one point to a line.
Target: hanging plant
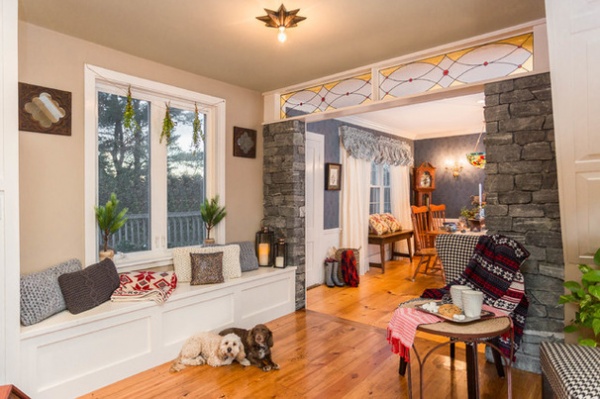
198 134
168 126
129 114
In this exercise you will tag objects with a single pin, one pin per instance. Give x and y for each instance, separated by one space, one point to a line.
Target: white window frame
379 172
213 107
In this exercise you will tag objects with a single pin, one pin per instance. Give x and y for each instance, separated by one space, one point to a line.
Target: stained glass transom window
492 60
334 95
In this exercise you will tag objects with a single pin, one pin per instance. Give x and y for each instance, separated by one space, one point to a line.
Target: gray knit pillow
248 259
40 293
90 287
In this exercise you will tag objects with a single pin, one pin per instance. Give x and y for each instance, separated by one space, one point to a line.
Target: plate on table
485 314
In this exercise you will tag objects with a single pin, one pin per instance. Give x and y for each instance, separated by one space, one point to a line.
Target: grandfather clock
424 183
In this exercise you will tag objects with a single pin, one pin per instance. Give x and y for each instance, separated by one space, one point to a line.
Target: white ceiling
222 39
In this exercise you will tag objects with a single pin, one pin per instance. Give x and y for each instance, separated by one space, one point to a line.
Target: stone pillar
284 193
522 198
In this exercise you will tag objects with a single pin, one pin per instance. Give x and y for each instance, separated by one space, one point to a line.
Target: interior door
315 148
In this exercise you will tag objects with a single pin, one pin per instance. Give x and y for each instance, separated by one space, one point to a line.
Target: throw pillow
391 221
183 267
248 259
40 293
377 225
207 268
90 287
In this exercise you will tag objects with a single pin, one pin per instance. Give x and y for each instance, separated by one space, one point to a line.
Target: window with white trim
162 182
380 191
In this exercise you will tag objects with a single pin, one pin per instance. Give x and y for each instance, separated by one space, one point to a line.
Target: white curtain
355 207
400 197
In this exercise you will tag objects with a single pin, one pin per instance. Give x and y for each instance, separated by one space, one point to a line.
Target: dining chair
424 239
437 217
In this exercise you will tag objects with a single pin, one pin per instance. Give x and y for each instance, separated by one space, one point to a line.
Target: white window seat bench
68 355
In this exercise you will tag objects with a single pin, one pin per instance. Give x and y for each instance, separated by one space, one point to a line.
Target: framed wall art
244 142
333 176
44 110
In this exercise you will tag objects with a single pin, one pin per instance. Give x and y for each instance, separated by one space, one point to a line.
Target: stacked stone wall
284 193
522 198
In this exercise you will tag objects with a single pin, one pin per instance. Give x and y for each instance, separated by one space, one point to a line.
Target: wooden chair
424 240
437 217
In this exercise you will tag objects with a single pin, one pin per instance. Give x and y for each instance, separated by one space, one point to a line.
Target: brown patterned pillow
207 268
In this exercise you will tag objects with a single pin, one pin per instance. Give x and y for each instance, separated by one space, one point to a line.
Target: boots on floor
328 270
335 274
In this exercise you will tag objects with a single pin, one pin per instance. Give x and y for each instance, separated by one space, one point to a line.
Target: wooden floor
336 348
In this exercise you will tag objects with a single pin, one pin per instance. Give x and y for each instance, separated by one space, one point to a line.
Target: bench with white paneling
69 355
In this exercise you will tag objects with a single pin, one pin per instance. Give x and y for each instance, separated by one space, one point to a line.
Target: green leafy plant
129 113
212 213
587 297
168 126
197 133
469 213
109 219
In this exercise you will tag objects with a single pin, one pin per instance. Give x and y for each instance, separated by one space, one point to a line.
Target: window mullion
158 182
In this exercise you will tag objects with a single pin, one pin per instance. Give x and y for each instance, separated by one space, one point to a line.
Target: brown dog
257 344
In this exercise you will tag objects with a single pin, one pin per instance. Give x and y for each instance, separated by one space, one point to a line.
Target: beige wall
52 167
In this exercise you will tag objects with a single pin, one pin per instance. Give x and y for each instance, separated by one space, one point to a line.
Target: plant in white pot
212 213
585 294
110 220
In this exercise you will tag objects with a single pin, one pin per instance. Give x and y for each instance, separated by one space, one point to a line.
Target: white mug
455 293
472 301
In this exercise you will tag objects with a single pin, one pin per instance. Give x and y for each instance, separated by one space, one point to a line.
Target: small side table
390 238
471 334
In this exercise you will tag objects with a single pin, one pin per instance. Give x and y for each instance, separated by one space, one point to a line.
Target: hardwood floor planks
335 348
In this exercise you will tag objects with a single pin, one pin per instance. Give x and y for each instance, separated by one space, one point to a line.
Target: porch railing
183 229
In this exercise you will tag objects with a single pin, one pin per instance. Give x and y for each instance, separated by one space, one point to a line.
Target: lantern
265 241
281 253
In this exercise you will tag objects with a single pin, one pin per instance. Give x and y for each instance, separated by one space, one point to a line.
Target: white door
574 40
315 148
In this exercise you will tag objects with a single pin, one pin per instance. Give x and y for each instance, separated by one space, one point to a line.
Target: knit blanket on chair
494 270
145 286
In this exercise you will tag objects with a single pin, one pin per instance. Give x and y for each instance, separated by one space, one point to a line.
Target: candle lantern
281 257
265 247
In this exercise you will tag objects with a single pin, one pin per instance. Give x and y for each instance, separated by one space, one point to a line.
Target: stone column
522 198
284 193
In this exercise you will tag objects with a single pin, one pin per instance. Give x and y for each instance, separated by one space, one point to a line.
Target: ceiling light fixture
281 19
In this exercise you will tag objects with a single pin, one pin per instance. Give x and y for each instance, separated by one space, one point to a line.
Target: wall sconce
455 167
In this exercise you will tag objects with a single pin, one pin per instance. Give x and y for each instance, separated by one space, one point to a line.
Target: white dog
212 349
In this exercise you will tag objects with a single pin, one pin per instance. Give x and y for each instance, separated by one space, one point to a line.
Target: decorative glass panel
475 64
185 182
334 95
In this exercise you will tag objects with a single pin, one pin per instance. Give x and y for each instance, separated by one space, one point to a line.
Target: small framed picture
244 142
333 176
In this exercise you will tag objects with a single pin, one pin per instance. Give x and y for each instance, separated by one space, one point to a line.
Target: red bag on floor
349 272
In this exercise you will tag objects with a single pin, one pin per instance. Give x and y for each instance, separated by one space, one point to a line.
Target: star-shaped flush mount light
281 19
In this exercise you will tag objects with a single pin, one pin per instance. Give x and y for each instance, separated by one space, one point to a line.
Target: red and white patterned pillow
391 221
377 225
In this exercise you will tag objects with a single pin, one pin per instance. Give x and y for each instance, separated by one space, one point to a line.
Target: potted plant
109 221
587 298
212 213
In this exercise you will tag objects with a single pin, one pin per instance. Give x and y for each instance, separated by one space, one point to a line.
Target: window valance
369 146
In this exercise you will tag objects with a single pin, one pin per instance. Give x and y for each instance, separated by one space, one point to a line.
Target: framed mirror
44 110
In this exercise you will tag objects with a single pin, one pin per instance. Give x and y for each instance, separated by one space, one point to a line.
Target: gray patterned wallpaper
455 193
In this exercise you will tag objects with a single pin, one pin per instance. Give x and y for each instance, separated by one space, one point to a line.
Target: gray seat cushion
571 370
